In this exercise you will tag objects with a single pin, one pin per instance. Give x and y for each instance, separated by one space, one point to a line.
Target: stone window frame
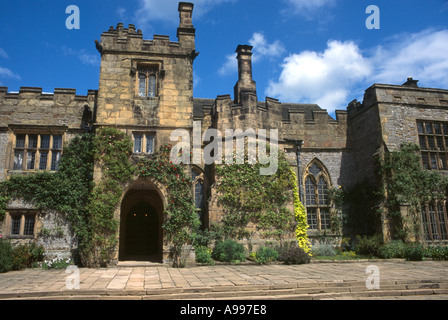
24 216
144 142
434 218
198 178
137 67
317 203
433 142
26 149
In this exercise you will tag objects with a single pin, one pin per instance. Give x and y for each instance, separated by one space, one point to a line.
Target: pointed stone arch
317 182
140 216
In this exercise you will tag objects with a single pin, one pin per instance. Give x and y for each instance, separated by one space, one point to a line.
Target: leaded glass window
434 220
433 139
316 196
32 151
147 82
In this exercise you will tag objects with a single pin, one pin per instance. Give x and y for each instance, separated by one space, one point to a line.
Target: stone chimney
245 82
186 31
411 83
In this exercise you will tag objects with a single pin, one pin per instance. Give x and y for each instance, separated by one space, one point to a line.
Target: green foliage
56 263
229 251
368 245
414 252
300 216
408 183
266 255
323 250
246 197
204 255
438 253
27 255
6 258
111 150
180 218
393 249
358 205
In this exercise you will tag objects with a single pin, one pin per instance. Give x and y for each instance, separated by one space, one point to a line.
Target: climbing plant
180 218
247 197
66 191
112 149
406 182
301 230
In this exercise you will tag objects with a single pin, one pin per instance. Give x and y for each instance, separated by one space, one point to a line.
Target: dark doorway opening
141 236
142 232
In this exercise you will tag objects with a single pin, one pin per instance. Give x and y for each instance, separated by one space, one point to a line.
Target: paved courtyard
129 280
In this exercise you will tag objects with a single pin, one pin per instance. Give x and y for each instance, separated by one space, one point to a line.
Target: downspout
298 144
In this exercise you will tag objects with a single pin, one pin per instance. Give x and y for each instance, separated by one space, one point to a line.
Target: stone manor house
146 90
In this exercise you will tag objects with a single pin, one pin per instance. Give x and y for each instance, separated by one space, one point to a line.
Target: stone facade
146 90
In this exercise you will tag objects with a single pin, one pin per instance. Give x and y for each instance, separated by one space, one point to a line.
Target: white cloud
83 56
422 56
261 50
336 76
3 54
7 73
325 78
230 65
309 6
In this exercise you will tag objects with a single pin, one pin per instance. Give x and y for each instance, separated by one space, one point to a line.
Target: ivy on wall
111 150
180 217
248 197
66 191
406 182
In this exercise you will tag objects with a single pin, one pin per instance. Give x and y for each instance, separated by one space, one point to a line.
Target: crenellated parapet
32 106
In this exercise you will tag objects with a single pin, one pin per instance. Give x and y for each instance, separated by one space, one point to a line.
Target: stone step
304 291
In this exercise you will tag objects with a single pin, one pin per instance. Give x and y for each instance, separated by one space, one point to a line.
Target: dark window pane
428 127
29 226
322 191
20 141
57 142
30 160
199 195
437 128
324 218
441 214
55 160
32 141
422 141
43 160
310 192
149 144
312 218
420 127
45 141
137 143
18 160
15 225
142 84
314 169
152 86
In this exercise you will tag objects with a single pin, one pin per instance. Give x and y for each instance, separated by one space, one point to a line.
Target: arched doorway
141 224
142 231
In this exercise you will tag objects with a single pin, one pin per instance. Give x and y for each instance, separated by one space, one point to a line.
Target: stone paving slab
255 279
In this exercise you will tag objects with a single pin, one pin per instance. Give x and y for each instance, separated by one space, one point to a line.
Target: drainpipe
298 144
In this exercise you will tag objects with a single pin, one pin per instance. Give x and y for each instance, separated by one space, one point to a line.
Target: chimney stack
245 82
186 31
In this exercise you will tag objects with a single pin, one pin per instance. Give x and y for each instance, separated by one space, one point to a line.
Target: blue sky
305 51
